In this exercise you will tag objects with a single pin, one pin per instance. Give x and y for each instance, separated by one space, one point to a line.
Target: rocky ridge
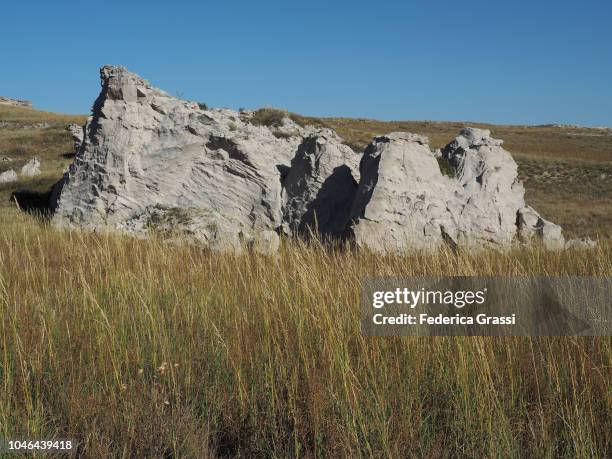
148 161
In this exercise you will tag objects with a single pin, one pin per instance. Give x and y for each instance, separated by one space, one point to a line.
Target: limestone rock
31 168
151 160
527 221
581 244
531 225
77 132
320 186
8 176
403 199
491 191
148 163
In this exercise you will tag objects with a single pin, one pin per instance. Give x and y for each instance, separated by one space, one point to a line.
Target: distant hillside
15 102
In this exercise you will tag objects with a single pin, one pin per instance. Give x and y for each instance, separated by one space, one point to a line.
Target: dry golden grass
26 115
144 349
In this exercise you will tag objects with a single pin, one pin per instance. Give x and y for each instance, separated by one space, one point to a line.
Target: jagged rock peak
120 84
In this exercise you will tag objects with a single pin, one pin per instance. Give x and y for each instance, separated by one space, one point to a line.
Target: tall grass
140 348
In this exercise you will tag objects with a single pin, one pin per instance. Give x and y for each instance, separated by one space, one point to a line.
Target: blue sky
497 61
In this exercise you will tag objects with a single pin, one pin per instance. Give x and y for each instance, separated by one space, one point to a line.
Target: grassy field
143 349
147 349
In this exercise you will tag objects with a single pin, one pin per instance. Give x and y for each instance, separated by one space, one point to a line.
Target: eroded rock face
148 159
492 194
531 226
405 202
320 186
403 199
77 133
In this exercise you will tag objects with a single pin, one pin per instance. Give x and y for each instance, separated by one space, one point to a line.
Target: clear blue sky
536 61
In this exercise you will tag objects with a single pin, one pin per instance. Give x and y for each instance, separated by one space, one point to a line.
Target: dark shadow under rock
33 202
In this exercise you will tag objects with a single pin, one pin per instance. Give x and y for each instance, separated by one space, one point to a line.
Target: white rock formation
491 191
403 199
149 160
31 168
531 225
581 244
8 176
320 186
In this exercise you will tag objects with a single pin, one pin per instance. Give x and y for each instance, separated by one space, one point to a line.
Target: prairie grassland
21 140
144 349
553 142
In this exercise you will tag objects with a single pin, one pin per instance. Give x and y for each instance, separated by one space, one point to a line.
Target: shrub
282 134
270 117
445 167
357 147
202 106
273 117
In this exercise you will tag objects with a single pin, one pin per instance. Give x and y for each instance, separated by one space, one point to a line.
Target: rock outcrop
8 176
320 187
151 161
531 225
405 202
581 244
148 161
77 133
31 168
403 199
491 193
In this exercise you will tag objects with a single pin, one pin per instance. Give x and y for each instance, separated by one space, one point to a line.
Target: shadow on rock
34 202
